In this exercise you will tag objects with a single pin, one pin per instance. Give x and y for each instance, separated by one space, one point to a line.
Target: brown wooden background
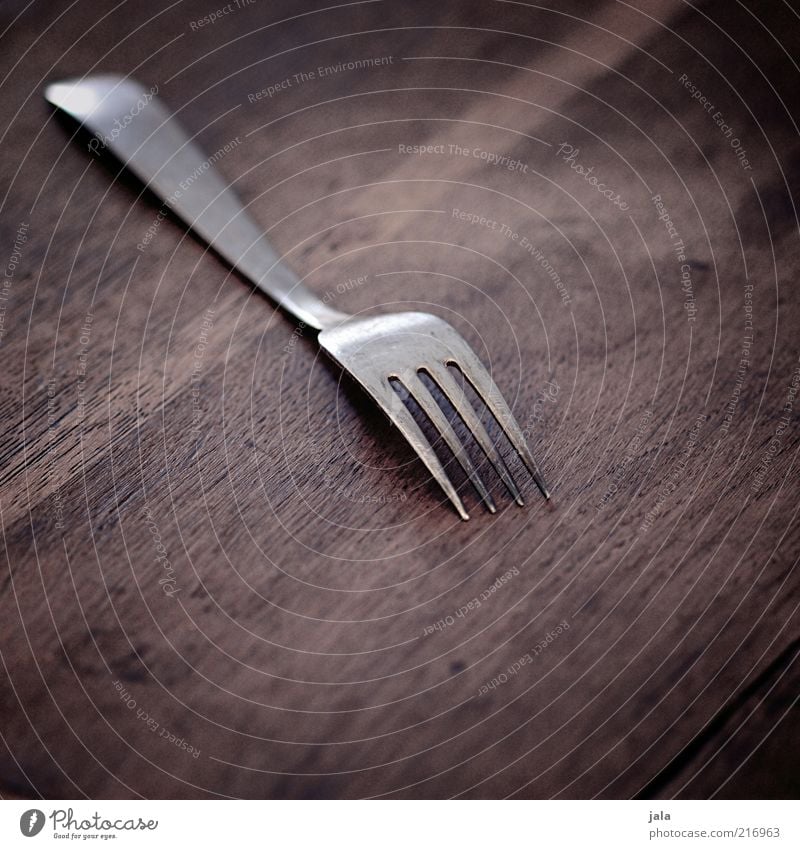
309 549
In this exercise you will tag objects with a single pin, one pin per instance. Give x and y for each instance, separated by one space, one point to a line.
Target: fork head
401 347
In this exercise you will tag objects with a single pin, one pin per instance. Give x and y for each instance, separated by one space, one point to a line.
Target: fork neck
258 263
252 255
307 308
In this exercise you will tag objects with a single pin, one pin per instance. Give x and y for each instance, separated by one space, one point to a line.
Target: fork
376 351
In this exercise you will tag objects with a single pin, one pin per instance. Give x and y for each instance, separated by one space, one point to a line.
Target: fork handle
141 132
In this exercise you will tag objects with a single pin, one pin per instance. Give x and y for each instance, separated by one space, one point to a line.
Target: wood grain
226 575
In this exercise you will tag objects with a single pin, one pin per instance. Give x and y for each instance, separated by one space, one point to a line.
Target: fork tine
481 381
458 399
421 394
402 418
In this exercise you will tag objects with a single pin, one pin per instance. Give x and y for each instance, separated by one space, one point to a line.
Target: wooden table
228 576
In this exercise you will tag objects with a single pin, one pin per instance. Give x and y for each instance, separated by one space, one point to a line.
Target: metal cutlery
140 131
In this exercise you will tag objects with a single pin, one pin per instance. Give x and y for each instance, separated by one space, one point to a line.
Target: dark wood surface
295 652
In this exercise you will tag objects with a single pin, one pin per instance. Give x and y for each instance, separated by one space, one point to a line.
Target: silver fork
132 123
